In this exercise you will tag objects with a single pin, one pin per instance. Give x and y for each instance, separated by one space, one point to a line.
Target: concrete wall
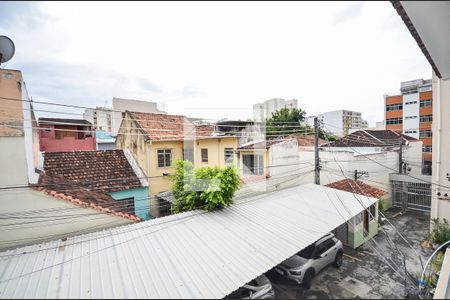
141 200
283 158
13 161
440 205
11 112
216 151
411 110
52 218
333 122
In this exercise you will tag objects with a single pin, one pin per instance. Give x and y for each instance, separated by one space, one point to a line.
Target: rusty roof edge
408 23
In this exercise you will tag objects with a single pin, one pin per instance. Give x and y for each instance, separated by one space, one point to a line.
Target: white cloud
225 55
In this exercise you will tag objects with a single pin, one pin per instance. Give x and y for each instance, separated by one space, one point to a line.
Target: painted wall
11 112
440 205
72 219
356 235
13 161
141 201
283 158
216 151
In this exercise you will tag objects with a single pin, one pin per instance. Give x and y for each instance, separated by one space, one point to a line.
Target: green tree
286 121
209 188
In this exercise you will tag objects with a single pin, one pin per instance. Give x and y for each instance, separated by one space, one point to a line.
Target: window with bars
426 133
127 205
426 118
164 158
228 153
253 164
394 121
426 103
204 153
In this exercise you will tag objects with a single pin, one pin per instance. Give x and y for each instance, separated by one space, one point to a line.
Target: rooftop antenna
7 49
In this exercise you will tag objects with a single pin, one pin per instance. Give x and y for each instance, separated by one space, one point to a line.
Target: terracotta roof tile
105 171
357 187
263 144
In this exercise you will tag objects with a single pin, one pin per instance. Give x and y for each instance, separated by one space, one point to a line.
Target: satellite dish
7 49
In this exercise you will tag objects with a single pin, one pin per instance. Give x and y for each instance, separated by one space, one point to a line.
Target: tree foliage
441 231
286 121
208 188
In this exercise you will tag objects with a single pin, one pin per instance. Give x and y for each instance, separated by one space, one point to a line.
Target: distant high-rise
262 111
341 122
411 113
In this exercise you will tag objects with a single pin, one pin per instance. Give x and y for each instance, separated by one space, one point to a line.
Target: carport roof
189 255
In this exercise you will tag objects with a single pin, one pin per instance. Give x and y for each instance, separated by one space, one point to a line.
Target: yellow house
157 140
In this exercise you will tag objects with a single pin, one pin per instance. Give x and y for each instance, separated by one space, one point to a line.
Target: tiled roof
204 130
59 121
306 140
370 138
68 190
105 171
160 127
263 144
357 187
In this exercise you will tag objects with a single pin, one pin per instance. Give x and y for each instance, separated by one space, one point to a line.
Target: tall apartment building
109 119
411 112
262 111
341 122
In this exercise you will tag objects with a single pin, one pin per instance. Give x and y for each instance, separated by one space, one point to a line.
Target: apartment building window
426 118
228 152
204 155
426 103
410 102
391 107
188 154
410 117
427 149
164 158
410 131
426 133
394 121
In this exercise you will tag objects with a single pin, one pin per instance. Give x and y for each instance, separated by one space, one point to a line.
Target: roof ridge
374 136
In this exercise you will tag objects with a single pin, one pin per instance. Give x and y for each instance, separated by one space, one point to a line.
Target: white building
340 122
120 105
262 111
100 117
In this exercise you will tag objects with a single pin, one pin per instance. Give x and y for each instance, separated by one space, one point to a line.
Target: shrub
206 187
441 231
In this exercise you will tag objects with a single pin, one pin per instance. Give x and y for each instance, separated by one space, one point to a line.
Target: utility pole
356 175
316 152
400 157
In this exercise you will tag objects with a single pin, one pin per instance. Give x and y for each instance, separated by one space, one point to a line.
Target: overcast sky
213 60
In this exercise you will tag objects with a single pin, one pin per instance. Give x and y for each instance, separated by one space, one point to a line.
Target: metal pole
400 157
316 152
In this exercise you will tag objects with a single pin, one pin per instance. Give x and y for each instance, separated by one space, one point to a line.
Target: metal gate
411 195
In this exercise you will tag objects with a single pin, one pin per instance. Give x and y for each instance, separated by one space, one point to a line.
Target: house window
228 152
426 133
253 164
204 155
426 103
127 205
164 158
188 154
426 118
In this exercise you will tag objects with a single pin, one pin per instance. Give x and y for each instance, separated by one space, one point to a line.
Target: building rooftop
371 138
357 187
263 144
61 121
195 254
103 170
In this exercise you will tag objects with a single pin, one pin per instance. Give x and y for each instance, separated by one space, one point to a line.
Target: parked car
258 288
304 265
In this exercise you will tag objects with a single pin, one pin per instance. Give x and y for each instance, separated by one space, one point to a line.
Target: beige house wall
11 113
216 151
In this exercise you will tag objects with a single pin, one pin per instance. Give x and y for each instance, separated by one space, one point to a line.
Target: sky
212 60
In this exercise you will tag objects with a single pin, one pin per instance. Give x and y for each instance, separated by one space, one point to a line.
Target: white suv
304 265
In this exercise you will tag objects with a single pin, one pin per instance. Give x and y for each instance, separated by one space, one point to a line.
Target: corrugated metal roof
189 255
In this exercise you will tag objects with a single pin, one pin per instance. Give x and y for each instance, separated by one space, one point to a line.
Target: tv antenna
7 49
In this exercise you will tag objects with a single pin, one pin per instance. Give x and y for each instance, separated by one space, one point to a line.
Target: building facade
57 135
411 113
100 117
262 111
340 122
